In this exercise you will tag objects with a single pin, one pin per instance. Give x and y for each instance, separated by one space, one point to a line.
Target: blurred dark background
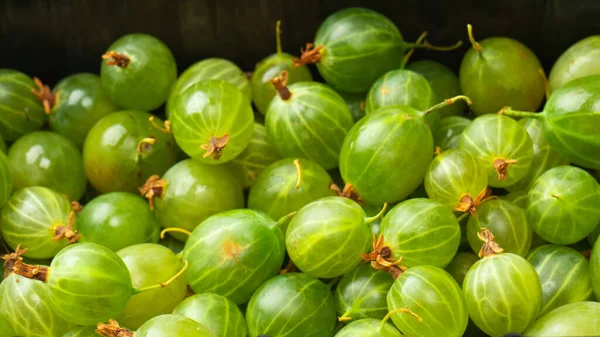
54 38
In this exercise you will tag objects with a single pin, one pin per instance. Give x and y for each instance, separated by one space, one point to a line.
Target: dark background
54 38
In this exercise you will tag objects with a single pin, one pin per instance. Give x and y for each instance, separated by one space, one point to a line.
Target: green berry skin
215 312
255 158
368 327
562 205
6 179
151 264
453 174
80 103
194 192
110 152
270 67
25 308
595 268
575 319
492 137
361 293
232 253
519 198
88 283
30 218
507 221
429 292
20 111
443 82
564 275
293 305
506 73
44 158
145 82
359 45
209 69
503 294
312 123
212 108
593 237
84 331
356 104
369 157
460 265
400 87
117 220
579 60
447 134
326 237
421 232
173 326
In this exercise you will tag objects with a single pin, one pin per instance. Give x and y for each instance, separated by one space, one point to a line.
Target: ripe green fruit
595 268
21 111
447 134
579 60
401 87
369 327
173 326
593 237
460 265
575 319
6 180
215 312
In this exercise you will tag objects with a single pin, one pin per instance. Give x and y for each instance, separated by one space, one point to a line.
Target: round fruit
173 326
595 268
401 87
212 121
562 205
501 146
423 294
21 111
6 180
575 319
460 265
138 72
447 134
564 275
80 103
215 312
369 327
123 149
500 71
292 305
579 60
44 158
421 232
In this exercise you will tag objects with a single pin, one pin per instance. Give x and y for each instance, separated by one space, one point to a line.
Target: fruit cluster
395 199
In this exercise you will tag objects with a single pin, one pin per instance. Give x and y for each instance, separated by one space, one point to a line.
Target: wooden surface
54 38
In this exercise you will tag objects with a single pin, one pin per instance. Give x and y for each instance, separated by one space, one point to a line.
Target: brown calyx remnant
489 247
381 258
501 167
438 151
154 187
112 329
45 95
165 129
13 263
347 192
468 205
215 146
587 253
249 75
62 232
116 59
308 55
280 84
290 268
76 206
145 145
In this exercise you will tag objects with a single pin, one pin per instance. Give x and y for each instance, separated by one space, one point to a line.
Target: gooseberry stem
285 218
427 45
145 144
166 129
344 318
45 95
412 50
163 284
298 173
174 229
280 84
489 247
474 43
378 216
449 101
309 55
278 37
13 263
515 113
116 59
113 329
400 310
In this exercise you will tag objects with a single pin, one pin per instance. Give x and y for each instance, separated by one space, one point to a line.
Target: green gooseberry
507 221
519 198
593 237
579 60
191 192
326 238
443 82
232 253
3 147
500 145
83 331
500 71
421 232
44 158
215 312
138 72
255 158
575 319
401 87
369 327
117 220
308 120
21 111
447 134
5 330
564 274
356 104
80 101
425 301
460 265
24 304
288 185
212 121
173 326
270 67
595 268
292 305
361 294
6 180
39 219
150 264
124 149
562 205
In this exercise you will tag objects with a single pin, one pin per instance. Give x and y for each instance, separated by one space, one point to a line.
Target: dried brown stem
309 55
290 268
280 84
381 259
489 247
347 192
67 232
501 167
45 95
76 206
215 146
154 187
13 263
116 59
112 329
469 205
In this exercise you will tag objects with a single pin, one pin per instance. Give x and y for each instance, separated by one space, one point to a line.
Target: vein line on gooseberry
165 129
501 166
215 146
163 284
45 95
308 55
378 215
474 43
113 329
449 101
490 247
62 231
174 229
145 145
119 59
280 84
397 311
347 192
298 173
153 187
